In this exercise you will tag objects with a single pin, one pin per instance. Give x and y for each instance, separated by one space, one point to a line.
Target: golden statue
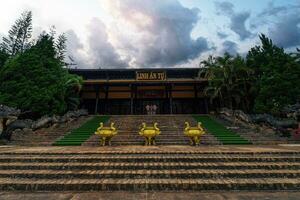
149 133
194 133
106 133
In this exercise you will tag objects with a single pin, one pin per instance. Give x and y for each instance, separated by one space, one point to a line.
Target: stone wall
10 124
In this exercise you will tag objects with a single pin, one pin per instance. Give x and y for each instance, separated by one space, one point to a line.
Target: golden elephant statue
149 133
106 133
194 133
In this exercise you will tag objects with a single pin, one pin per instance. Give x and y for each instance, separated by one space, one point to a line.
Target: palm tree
74 86
228 79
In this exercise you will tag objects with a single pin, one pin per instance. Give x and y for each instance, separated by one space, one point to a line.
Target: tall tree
45 87
277 75
229 81
61 46
3 57
19 35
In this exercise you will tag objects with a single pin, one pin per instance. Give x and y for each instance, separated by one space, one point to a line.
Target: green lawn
81 134
223 134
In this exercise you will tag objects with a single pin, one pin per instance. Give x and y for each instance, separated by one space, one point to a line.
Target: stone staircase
257 137
144 169
47 136
171 126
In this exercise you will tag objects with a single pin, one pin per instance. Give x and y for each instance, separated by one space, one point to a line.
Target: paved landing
141 149
153 196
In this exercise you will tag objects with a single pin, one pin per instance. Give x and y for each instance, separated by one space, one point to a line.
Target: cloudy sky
158 33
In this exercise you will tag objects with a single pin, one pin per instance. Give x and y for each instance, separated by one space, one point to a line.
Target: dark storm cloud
166 38
237 19
74 48
286 32
98 53
283 23
274 10
230 47
222 35
102 53
158 35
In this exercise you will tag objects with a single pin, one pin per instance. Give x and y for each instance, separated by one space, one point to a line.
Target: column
131 99
206 106
97 98
196 101
106 97
170 98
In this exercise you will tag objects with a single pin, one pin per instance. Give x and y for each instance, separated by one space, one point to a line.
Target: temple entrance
151 107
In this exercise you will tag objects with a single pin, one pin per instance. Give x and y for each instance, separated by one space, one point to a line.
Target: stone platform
139 168
150 195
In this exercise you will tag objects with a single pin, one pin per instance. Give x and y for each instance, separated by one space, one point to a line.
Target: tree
277 74
44 87
73 86
19 36
296 55
3 57
61 46
229 81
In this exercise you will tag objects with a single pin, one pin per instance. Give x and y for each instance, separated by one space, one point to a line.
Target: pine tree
19 35
61 46
26 30
3 57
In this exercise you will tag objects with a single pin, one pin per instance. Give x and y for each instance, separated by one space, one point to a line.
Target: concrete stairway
171 126
47 136
146 170
256 136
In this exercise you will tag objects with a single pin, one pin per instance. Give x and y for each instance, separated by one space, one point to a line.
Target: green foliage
36 80
278 75
265 82
229 81
19 35
73 85
3 58
61 46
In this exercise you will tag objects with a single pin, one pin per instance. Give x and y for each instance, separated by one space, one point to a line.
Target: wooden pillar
97 99
196 101
170 98
135 99
206 106
106 98
131 99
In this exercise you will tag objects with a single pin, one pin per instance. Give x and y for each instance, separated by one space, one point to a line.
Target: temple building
133 91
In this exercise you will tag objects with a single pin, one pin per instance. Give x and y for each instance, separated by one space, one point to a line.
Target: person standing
148 109
154 109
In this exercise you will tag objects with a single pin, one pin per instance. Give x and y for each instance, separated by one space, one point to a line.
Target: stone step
179 138
146 151
171 127
149 159
156 165
95 144
136 136
139 174
8 184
